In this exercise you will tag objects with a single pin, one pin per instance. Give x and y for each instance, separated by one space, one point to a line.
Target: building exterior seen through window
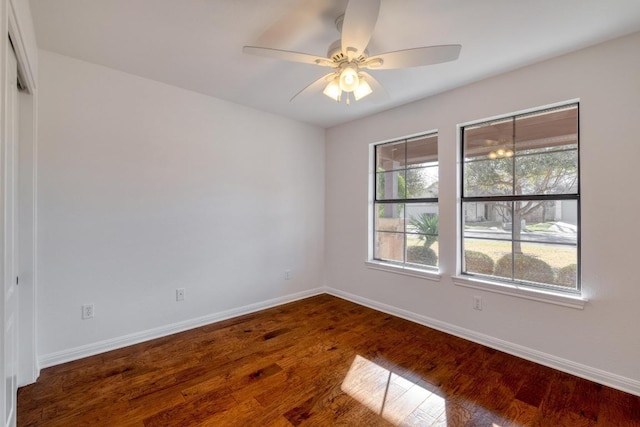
406 202
520 218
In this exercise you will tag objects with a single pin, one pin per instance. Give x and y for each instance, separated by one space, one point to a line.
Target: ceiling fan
349 57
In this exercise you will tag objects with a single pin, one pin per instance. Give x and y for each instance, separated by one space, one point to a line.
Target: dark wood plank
316 362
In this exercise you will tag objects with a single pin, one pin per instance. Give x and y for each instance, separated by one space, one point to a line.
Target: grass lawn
542 226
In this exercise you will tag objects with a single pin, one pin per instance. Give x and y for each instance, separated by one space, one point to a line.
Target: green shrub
427 224
422 255
567 276
527 268
478 262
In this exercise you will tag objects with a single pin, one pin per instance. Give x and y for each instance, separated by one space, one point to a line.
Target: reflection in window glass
391 156
406 204
520 202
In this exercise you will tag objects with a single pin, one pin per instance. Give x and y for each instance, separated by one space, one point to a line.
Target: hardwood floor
321 361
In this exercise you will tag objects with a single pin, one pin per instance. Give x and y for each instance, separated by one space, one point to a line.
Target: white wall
144 188
601 339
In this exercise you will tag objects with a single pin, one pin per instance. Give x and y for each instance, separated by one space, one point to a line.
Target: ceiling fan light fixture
348 55
349 80
332 90
501 153
362 90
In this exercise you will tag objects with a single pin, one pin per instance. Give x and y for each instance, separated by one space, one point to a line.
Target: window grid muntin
516 197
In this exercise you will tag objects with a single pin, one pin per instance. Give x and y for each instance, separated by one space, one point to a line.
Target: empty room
320 212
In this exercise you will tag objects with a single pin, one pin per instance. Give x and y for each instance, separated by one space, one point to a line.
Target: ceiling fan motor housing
336 54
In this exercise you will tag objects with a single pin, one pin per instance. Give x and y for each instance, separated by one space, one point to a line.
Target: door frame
15 23
28 369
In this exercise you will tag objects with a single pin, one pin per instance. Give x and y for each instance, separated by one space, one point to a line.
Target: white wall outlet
180 294
287 275
87 311
477 303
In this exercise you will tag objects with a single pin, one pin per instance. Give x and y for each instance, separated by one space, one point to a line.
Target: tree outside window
520 204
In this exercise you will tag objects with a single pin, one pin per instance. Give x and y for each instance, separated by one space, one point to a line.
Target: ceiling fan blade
379 92
417 57
287 55
359 21
316 86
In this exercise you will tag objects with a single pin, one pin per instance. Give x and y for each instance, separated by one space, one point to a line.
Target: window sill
406 271
547 296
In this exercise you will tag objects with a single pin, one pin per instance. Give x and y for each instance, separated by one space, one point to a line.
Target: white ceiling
197 44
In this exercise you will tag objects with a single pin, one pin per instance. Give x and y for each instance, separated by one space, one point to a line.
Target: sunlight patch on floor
390 395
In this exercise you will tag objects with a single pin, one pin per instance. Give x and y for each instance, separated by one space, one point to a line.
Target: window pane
391 185
488 220
422 183
549 129
490 177
389 234
389 217
484 140
422 218
389 246
481 255
422 233
541 263
390 156
422 151
551 221
547 151
421 255
551 172
544 263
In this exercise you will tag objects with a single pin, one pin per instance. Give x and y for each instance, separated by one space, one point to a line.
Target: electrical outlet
287 275
477 303
87 311
180 294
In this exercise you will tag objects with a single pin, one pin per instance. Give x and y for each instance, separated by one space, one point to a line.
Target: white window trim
549 296
420 273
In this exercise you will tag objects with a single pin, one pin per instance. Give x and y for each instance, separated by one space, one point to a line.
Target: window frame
571 297
404 267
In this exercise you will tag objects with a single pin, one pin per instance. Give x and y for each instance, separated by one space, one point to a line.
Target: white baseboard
80 352
583 371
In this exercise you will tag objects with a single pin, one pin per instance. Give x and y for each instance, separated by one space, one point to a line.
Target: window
521 199
405 226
